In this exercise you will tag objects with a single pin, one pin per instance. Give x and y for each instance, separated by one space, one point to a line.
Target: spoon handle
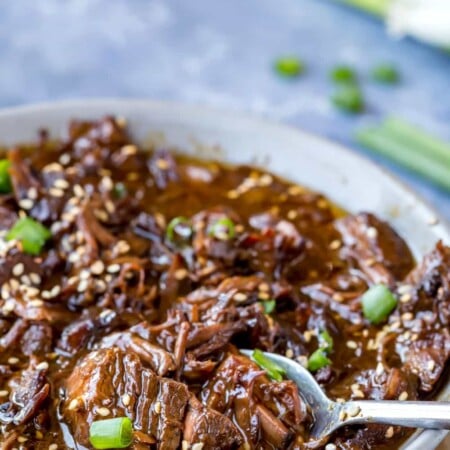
435 415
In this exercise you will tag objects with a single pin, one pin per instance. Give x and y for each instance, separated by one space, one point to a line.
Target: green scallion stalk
289 66
5 179
349 98
273 370
223 229
171 229
318 360
111 433
343 74
30 233
326 341
376 7
269 306
385 73
406 152
377 303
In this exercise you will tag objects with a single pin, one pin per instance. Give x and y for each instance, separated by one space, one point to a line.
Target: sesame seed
405 298
380 369
302 360
53 167
42 366
263 296
4 393
358 393
431 365
97 268
109 206
78 190
39 434
403 396
365 332
14 284
162 164
289 353
113 268
158 407
106 183
64 159
32 193
295 190
56 192
266 180
13 360
9 306
22 439
102 411
264 287
330 447
389 433
126 399
232 194
407 316
338 297
35 278
308 334
322 203
197 446
18 269
342 415
180 274
353 410
101 215
82 286
404 289
55 291
240 297
352 344
185 445
122 247
370 262
334 245
292 214
37 303
84 274
73 404
128 150
26 203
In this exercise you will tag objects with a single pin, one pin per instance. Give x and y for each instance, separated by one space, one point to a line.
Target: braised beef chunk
158 268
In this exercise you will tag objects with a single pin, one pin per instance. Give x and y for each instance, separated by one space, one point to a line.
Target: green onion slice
269 306
326 341
377 303
223 229
32 235
343 74
273 370
289 66
120 190
5 179
385 73
184 231
348 98
318 360
111 433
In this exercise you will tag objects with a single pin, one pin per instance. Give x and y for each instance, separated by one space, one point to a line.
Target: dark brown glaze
114 319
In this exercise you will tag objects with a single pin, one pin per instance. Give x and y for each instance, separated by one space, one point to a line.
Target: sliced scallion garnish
273 370
343 74
326 341
30 233
318 360
377 303
348 97
111 433
289 66
269 306
178 226
385 73
5 179
223 229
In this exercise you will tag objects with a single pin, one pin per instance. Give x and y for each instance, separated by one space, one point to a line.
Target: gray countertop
220 53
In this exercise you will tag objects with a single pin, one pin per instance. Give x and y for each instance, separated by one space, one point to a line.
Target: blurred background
278 58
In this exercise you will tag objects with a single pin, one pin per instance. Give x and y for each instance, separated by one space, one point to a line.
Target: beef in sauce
151 270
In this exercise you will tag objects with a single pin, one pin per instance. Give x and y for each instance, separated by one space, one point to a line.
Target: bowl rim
421 438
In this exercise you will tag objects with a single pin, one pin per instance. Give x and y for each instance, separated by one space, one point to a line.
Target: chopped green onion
326 341
289 66
120 190
30 233
343 74
111 433
223 229
317 360
269 306
5 179
349 98
377 303
184 231
385 73
406 151
376 7
273 370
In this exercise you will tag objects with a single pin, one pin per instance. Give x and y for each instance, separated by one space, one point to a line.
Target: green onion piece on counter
5 179
111 433
377 303
120 190
393 142
376 7
273 370
223 229
385 73
31 234
348 98
326 341
343 74
184 231
318 360
289 66
269 306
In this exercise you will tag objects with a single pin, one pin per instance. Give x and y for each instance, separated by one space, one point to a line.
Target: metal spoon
329 415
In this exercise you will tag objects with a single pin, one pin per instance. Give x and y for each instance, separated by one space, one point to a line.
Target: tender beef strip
28 394
14 257
373 246
37 339
238 390
210 428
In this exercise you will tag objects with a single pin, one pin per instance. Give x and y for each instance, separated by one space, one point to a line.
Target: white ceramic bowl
349 180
